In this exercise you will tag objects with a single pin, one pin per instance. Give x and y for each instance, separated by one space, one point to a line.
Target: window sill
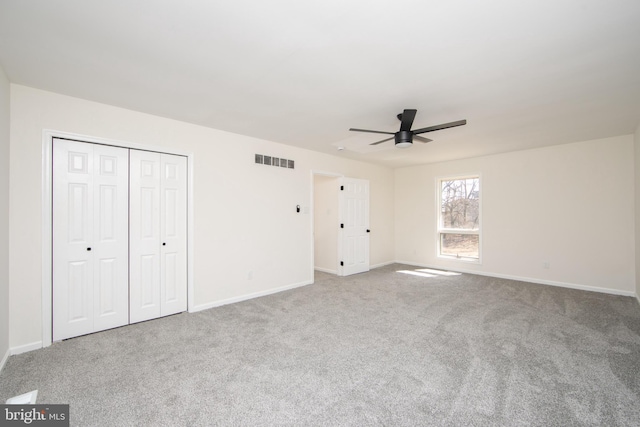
465 260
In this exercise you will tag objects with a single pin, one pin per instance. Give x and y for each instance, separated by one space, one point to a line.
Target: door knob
368 231
88 249
164 244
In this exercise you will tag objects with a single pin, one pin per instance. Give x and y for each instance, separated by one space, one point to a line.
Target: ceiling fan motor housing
404 138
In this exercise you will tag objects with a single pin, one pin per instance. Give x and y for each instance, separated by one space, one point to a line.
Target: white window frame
441 230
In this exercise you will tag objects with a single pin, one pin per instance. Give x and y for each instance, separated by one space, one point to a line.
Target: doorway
325 224
341 224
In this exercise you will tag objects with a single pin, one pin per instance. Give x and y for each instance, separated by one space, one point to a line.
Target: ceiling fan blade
384 140
371 131
407 119
422 139
439 127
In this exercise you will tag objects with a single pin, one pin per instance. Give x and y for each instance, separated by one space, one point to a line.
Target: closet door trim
47 191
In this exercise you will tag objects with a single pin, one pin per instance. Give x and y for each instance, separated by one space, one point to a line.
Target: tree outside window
459 217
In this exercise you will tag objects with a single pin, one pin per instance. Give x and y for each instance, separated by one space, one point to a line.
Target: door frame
313 218
338 176
47 204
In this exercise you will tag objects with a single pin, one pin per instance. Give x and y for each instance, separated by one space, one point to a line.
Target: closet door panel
111 237
144 237
90 238
173 225
72 236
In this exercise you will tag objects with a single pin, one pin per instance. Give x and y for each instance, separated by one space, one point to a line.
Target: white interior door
158 235
144 270
353 248
90 238
173 233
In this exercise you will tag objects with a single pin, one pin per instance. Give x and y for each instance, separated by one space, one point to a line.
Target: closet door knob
88 249
164 244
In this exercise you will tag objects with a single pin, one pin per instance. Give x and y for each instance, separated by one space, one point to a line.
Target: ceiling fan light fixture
404 139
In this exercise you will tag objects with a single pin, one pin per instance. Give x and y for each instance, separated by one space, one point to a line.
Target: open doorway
340 224
326 223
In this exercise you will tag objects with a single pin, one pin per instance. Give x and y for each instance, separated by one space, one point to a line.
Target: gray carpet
380 348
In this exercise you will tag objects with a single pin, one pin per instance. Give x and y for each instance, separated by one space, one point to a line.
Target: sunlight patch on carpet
427 272
439 272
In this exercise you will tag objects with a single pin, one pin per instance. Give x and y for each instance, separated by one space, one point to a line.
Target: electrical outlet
546 265
250 275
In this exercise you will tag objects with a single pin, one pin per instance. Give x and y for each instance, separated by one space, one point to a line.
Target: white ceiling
524 73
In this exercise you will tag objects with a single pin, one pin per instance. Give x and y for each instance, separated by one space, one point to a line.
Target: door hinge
341 225
341 263
342 188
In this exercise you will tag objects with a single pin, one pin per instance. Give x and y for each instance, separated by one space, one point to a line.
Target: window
459 218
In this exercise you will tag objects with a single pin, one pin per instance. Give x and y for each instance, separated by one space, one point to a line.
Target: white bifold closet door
90 238
158 235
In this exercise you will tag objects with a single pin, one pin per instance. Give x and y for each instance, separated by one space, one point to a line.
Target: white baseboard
371 267
528 279
382 264
4 359
248 296
326 270
27 347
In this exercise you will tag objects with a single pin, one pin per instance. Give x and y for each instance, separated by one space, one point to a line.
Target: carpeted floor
383 348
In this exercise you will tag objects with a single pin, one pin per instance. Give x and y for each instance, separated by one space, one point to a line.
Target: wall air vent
262 159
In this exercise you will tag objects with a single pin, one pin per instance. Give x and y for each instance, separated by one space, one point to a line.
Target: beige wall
570 205
326 223
637 207
4 217
245 219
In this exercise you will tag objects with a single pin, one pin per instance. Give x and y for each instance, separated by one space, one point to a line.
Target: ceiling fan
405 136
